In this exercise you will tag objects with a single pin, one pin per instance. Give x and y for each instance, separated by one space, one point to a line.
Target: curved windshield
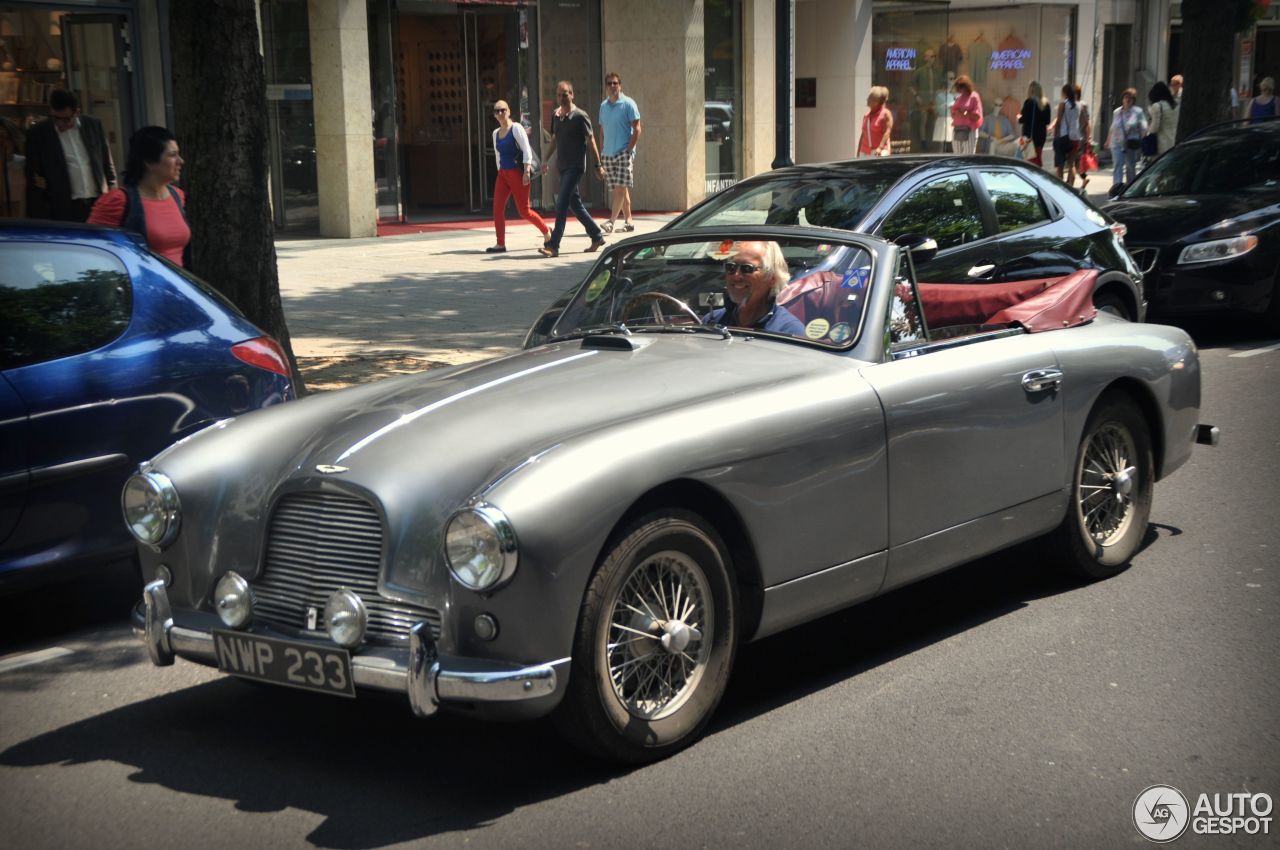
818 198
1244 161
797 288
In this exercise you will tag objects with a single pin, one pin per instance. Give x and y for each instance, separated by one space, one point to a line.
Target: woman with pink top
877 125
966 117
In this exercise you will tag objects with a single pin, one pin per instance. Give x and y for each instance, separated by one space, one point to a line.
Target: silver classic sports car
719 434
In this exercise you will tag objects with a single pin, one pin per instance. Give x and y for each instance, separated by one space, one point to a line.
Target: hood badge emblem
329 469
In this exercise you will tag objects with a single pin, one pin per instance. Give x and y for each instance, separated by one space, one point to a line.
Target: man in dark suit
68 162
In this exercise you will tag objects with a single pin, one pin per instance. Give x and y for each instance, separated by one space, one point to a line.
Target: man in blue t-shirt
619 123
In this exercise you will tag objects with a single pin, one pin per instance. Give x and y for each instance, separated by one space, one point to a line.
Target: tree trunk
1209 29
220 109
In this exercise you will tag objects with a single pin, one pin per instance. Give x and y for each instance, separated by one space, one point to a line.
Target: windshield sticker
723 250
822 250
855 279
840 333
598 285
817 329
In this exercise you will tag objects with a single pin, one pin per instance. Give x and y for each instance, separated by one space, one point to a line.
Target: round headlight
480 547
151 509
345 617
233 600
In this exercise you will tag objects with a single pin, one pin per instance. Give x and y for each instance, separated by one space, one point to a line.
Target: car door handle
982 270
1039 380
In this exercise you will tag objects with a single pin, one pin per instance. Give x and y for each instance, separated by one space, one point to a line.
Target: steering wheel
655 310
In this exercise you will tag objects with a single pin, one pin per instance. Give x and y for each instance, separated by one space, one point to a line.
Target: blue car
108 354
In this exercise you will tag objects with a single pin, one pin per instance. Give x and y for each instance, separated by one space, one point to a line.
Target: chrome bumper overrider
421 674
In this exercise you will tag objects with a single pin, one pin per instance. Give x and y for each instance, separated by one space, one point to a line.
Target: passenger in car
753 276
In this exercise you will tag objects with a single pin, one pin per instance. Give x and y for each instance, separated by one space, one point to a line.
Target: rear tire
1111 490
1109 302
655 642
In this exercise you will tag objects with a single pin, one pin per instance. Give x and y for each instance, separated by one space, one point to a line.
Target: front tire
655 642
1111 491
1109 302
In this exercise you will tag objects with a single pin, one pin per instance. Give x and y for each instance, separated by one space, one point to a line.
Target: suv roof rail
1267 119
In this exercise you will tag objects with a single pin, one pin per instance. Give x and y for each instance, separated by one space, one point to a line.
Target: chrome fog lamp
345 618
151 509
480 547
233 600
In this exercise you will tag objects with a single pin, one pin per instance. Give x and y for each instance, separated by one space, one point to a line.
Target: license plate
285 662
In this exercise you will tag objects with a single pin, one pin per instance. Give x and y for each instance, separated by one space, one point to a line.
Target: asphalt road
996 705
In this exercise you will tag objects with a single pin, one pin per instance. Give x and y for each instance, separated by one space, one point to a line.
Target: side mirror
1115 190
922 248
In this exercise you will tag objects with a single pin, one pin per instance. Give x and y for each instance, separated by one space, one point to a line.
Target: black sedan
996 220
1203 222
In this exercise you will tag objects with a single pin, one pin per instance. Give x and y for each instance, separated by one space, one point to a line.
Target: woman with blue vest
149 203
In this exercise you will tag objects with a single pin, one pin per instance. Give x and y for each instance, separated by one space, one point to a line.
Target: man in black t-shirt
571 136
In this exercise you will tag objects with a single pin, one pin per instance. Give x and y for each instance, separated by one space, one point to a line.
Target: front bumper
418 672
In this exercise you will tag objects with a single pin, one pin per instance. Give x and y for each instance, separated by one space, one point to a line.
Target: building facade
381 110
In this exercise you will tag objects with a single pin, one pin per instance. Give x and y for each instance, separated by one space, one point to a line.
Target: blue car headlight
1217 250
480 547
151 509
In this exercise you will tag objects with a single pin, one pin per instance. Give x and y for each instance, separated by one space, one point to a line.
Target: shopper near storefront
68 162
877 125
1164 118
571 137
1034 117
927 81
619 123
149 203
1066 136
1128 126
966 117
515 170
1262 106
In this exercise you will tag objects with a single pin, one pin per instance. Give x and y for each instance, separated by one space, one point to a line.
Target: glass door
98 68
498 59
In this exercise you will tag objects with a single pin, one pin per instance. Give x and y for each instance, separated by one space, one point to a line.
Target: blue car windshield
1247 160
793 288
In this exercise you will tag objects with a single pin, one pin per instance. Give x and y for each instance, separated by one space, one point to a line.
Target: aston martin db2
590 527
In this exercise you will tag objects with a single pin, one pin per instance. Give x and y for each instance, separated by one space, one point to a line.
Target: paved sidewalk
361 309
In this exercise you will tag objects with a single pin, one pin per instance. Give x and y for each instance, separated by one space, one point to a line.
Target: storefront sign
1010 60
900 59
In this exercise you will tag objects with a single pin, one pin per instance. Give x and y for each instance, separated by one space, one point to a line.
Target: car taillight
263 352
1119 230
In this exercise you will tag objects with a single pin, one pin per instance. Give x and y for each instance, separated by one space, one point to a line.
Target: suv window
1017 202
58 300
830 200
946 209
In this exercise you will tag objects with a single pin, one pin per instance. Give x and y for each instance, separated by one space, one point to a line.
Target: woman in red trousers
515 170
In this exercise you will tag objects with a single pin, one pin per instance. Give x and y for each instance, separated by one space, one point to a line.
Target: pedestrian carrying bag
1149 145
1088 160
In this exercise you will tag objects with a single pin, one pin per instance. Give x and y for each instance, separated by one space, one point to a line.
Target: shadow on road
378 776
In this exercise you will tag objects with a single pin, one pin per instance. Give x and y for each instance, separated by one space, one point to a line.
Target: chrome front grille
318 542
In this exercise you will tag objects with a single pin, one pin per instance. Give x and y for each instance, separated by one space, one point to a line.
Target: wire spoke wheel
1107 483
657 647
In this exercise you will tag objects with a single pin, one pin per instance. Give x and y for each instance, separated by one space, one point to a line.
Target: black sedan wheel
1110 493
655 642
1107 302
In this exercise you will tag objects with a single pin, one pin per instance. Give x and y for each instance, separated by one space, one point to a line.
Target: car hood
1160 221
451 432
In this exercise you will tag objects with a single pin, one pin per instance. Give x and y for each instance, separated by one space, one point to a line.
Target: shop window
1017 202
946 209
722 32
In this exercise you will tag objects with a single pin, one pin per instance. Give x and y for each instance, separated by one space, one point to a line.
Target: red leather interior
820 295
1067 302
1037 305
